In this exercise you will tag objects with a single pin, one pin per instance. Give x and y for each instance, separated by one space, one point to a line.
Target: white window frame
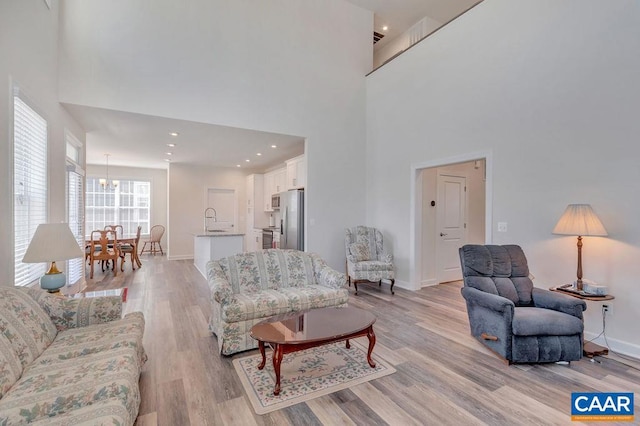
130 224
28 187
75 206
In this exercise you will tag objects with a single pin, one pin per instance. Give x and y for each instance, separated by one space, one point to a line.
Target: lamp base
53 282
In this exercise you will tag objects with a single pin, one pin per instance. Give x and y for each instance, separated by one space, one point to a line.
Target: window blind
75 218
30 185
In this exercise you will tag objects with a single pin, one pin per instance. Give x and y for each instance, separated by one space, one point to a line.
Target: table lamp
51 242
580 220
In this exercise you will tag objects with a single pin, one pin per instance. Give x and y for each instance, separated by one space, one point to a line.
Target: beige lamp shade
51 242
580 219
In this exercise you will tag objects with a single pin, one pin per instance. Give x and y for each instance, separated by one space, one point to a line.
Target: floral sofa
249 287
68 361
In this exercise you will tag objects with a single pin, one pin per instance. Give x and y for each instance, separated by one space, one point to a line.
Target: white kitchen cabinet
268 190
274 183
256 216
214 246
280 180
255 240
296 172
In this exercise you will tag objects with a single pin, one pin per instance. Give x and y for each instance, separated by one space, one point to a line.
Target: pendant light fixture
108 184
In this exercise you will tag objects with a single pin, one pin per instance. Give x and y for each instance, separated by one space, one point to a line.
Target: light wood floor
443 375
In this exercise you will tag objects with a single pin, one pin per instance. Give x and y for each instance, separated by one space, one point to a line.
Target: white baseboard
615 345
180 257
399 284
428 283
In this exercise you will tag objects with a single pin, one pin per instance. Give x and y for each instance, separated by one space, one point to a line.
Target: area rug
307 374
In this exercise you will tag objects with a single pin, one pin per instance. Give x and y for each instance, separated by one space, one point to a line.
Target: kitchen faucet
214 217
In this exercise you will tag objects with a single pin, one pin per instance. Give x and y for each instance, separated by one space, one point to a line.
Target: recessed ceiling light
259 154
171 145
385 28
168 160
174 134
274 146
169 153
247 160
237 165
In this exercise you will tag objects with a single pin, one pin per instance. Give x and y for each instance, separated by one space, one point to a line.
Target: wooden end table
307 329
589 349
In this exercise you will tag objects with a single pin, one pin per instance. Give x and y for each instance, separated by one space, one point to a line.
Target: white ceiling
138 140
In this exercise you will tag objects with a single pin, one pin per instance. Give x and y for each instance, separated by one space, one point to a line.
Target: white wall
188 187
29 59
551 90
159 189
289 66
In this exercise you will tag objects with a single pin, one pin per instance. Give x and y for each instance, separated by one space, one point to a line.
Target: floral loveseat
68 361
249 287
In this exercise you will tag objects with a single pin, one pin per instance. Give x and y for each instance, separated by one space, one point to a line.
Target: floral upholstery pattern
87 373
249 287
371 266
27 327
378 266
72 313
359 251
10 365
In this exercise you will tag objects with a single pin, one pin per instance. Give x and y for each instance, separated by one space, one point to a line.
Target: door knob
442 235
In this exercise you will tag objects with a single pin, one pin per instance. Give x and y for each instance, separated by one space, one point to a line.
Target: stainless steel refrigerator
292 219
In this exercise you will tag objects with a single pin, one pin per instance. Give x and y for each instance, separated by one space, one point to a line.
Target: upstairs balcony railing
416 34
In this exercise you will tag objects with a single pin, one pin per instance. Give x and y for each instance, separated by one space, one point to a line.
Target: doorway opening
451 206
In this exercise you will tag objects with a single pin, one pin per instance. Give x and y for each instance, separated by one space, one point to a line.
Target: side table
122 292
589 349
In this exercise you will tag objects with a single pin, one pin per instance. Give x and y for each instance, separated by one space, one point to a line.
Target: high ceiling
400 15
141 141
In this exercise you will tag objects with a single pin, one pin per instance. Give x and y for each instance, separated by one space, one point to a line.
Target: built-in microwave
275 201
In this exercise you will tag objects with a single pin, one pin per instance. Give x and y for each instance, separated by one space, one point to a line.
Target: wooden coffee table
307 329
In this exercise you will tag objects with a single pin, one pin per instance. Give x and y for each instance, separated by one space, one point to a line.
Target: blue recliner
519 322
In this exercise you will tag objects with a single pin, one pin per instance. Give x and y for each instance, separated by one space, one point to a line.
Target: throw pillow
360 252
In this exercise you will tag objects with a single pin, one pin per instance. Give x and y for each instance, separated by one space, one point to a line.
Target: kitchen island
213 246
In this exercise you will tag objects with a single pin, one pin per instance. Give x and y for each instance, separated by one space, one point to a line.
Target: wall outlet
502 226
607 310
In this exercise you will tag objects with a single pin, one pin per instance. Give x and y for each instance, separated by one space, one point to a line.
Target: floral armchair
366 260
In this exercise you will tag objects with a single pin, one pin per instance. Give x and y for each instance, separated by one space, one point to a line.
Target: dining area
112 247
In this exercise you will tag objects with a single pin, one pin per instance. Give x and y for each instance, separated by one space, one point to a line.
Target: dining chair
155 235
104 248
131 249
117 228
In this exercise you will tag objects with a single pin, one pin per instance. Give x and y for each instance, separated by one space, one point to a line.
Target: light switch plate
502 226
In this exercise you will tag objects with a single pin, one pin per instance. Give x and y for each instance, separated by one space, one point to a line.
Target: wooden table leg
277 360
591 349
372 342
264 358
348 344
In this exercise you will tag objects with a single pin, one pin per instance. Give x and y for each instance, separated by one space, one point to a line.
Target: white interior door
225 203
451 232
